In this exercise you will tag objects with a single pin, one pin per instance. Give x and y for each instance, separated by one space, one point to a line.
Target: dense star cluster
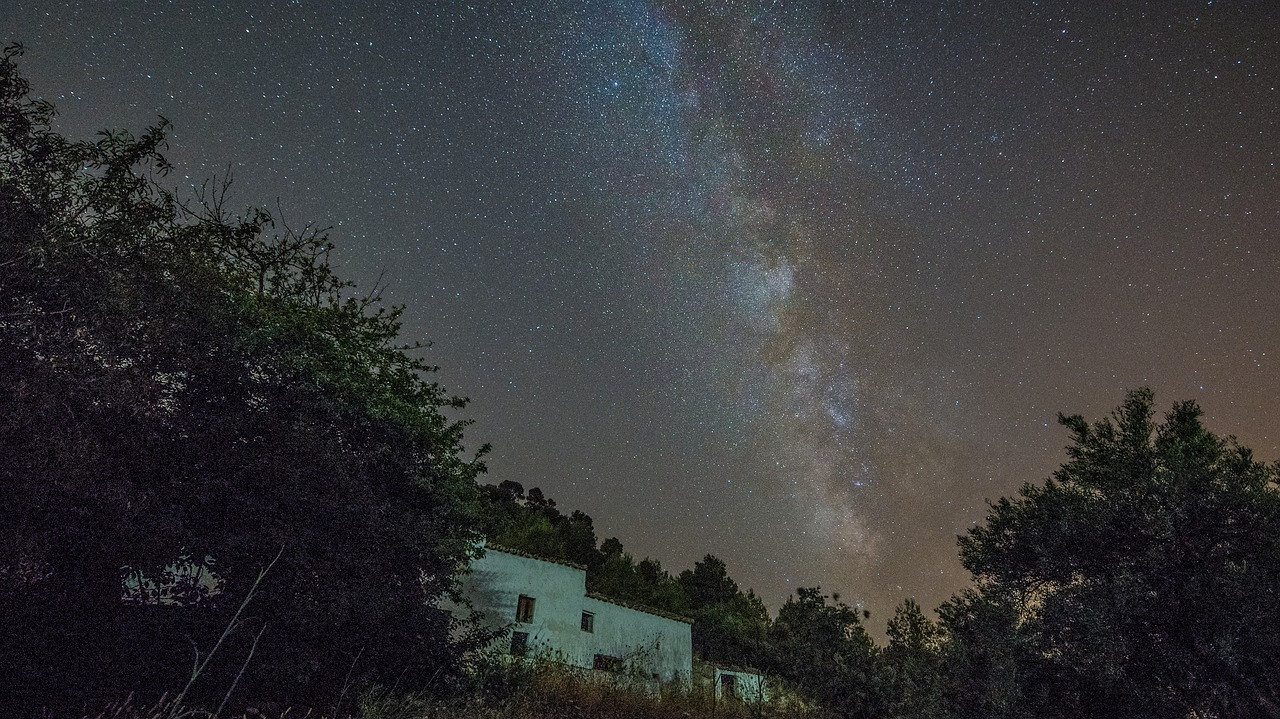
800 284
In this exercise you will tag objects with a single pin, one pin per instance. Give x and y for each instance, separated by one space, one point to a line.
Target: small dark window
588 622
606 663
519 643
524 609
728 686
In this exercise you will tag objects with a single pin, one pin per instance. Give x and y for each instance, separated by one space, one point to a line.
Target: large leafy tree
909 669
182 388
986 661
532 523
730 625
823 649
1143 575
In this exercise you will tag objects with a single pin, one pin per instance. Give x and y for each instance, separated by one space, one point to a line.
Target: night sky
797 284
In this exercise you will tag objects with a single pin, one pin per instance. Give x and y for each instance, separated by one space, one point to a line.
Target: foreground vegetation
226 482
189 396
499 690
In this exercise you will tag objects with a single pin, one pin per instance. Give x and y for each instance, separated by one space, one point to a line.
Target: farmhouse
545 610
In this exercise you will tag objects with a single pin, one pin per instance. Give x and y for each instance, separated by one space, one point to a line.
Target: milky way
798 284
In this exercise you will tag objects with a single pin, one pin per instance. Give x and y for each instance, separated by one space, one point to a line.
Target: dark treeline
189 397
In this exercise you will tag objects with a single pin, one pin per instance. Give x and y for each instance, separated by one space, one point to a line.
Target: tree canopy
184 387
824 649
1142 576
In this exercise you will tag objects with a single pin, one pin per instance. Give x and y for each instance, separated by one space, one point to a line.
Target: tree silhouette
181 385
1143 574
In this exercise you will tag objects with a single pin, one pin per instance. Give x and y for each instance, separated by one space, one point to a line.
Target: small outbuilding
741 685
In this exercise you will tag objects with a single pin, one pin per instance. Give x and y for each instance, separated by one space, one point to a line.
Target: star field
798 284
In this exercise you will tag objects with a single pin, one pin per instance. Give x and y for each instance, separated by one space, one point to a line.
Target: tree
645 583
662 590
610 547
185 386
729 625
909 669
1142 574
986 660
532 523
825 651
708 582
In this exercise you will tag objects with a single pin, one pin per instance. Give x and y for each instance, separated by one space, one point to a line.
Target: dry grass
546 690
543 690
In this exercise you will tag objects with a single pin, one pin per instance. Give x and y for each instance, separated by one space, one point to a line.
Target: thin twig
347 682
231 627
240 673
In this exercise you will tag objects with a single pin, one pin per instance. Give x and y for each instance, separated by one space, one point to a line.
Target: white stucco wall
649 644
497 580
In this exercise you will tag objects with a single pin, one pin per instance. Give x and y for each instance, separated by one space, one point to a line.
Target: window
606 663
519 643
524 609
588 622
